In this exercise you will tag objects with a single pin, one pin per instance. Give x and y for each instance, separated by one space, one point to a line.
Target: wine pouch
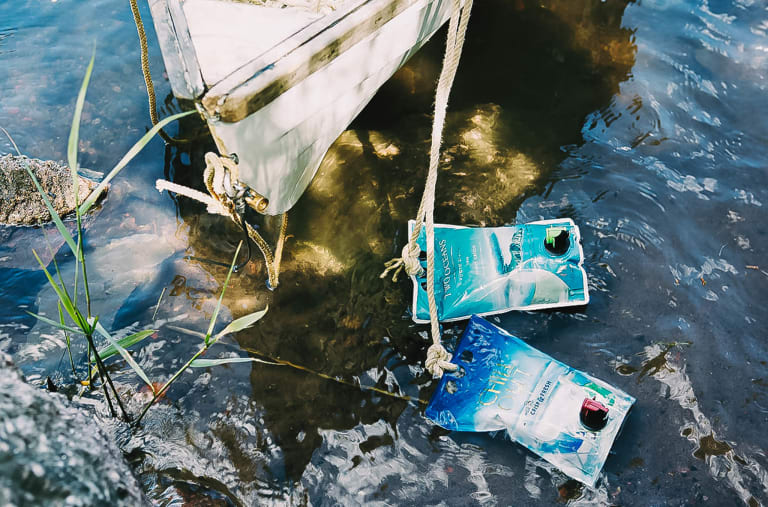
565 416
488 270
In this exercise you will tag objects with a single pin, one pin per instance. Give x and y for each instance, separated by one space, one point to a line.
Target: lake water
644 122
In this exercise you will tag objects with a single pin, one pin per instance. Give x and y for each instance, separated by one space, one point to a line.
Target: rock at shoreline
20 202
52 453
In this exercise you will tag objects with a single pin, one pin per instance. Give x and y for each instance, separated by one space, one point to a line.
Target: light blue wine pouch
488 270
565 416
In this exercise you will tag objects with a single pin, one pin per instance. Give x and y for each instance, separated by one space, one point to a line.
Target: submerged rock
20 202
52 453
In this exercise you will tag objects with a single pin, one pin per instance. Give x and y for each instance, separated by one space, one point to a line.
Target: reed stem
104 375
165 387
101 376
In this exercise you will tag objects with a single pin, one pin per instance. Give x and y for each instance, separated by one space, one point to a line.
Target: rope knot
438 360
409 261
227 196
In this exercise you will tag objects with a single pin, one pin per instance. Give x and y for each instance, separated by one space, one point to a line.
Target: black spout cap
557 240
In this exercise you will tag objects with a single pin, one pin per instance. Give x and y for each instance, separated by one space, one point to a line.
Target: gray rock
20 202
54 454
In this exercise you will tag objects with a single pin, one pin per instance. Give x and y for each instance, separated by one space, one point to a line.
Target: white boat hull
281 144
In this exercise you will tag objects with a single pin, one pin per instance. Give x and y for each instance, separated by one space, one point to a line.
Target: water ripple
744 474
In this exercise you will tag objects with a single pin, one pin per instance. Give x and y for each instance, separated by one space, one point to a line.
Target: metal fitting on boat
239 198
258 202
241 194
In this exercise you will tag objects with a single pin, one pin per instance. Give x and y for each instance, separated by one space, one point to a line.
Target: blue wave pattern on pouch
505 384
487 270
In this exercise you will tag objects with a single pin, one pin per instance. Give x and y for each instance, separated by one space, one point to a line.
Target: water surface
644 122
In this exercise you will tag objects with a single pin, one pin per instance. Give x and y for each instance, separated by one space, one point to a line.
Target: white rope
219 176
408 262
438 359
214 207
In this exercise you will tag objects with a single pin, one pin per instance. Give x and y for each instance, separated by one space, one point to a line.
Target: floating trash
488 270
565 416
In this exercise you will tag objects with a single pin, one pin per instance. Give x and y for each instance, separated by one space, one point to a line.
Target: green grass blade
55 216
184 330
157 306
130 360
63 286
74 132
56 268
84 270
205 363
63 296
56 324
221 296
72 147
89 202
69 343
242 323
79 259
94 321
125 342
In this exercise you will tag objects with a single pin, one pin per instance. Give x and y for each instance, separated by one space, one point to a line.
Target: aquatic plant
209 339
82 321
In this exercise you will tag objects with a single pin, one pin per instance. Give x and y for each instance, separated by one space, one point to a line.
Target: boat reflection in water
529 76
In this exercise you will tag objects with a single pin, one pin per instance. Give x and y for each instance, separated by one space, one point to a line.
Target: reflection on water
642 122
743 472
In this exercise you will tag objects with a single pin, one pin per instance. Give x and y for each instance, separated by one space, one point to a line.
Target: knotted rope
227 197
408 262
438 359
151 99
145 69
